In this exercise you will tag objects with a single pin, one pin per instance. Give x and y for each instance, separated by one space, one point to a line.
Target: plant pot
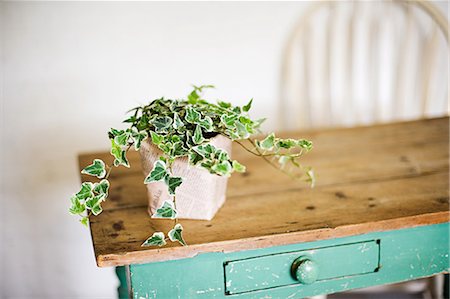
199 196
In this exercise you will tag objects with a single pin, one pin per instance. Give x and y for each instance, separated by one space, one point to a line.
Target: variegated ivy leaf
229 120
306 144
222 155
258 123
232 134
176 234
166 147
162 124
77 206
285 143
97 209
119 154
116 151
238 167
158 173
84 221
225 105
113 133
248 123
205 150
223 168
166 210
172 105
156 138
198 136
177 122
138 137
85 191
192 116
97 168
173 182
247 107
175 138
193 97
102 187
215 160
268 142
122 139
242 130
143 123
123 159
177 149
157 239
95 200
207 164
206 123
131 119
194 158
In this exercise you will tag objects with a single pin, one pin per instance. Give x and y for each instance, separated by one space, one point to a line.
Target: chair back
356 62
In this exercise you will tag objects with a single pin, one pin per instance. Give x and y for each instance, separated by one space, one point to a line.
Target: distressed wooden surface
368 179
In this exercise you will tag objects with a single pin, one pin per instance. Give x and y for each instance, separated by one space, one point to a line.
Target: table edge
181 252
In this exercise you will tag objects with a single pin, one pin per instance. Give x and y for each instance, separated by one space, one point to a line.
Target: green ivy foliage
184 128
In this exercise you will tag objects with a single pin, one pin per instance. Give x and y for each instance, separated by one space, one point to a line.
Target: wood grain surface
369 179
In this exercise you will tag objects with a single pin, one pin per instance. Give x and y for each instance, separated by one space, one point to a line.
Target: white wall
70 70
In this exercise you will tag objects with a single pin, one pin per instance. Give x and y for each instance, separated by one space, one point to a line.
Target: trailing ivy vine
183 128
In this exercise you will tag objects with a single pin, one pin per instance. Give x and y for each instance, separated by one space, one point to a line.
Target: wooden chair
356 63
351 63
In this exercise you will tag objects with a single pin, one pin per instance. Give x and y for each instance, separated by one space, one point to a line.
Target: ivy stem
246 148
269 161
259 154
109 171
174 197
264 156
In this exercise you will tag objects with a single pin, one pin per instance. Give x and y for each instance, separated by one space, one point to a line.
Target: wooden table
378 215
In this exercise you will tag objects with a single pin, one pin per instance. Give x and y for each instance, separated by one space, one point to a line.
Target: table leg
122 290
446 286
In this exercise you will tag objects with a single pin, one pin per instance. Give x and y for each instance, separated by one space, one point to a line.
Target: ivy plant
183 128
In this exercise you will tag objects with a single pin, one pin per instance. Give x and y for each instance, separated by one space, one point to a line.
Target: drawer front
301 267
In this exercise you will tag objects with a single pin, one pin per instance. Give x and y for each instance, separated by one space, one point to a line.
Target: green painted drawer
324 263
404 255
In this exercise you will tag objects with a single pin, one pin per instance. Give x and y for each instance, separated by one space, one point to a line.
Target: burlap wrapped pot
199 196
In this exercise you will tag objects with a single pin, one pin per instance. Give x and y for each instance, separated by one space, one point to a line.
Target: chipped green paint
403 255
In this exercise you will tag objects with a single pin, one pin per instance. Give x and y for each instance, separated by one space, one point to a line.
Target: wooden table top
374 178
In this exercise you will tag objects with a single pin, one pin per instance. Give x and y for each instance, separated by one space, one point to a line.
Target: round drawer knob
305 270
